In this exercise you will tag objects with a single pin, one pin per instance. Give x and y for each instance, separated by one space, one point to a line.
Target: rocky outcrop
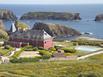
7 15
51 15
55 29
3 33
99 17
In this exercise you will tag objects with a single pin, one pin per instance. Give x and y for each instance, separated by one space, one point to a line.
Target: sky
51 1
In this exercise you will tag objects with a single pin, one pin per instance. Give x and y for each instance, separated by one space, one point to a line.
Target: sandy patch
29 54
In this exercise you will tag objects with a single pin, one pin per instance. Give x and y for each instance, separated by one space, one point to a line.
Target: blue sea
87 13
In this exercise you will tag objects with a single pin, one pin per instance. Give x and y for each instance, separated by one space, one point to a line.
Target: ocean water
87 13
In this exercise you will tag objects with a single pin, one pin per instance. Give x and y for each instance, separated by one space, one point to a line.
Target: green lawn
91 67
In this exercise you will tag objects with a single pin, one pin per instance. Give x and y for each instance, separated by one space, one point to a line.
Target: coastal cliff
99 17
3 33
7 15
55 29
51 15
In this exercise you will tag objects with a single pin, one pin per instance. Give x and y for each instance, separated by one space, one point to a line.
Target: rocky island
51 15
7 15
55 29
99 17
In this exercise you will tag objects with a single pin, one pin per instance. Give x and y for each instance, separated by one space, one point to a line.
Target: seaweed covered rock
51 15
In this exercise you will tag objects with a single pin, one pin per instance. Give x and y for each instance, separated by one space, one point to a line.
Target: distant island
51 15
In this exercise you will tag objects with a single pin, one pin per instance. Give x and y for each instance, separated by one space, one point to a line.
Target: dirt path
90 54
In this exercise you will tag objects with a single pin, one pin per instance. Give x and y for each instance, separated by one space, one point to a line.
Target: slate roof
31 34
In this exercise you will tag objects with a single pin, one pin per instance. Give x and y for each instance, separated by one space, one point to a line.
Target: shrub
45 53
35 49
69 50
40 48
8 47
28 48
57 47
93 74
22 60
52 49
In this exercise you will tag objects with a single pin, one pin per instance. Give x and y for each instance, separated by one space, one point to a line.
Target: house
36 38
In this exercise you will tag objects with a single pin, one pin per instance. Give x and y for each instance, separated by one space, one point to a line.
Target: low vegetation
16 54
5 51
25 60
82 68
88 42
69 50
30 48
45 53
3 34
21 25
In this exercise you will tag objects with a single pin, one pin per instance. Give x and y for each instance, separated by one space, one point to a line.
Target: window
45 42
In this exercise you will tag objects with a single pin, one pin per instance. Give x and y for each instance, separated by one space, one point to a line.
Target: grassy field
91 67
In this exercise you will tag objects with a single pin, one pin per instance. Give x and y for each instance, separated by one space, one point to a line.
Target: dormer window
45 33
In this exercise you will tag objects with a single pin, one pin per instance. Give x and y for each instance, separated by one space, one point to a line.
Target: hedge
45 53
23 60
69 50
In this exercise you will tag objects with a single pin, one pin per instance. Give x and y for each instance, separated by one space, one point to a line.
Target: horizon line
50 4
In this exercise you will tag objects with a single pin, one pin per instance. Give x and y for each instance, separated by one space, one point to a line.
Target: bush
93 74
57 47
35 49
52 49
41 48
28 48
8 47
69 50
45 53
22 60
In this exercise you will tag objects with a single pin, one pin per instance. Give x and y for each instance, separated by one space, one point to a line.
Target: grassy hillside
90 67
